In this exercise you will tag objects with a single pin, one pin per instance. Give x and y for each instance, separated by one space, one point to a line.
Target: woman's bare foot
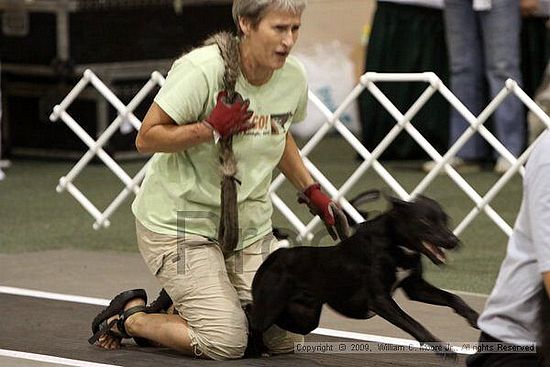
108 341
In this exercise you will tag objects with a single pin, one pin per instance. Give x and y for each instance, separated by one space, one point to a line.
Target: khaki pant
209 291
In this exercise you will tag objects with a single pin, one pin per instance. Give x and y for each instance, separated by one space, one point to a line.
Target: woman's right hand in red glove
229 118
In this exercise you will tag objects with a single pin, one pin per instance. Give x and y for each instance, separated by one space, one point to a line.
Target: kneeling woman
179 200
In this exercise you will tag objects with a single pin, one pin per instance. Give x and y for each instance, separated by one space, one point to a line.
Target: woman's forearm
292 165
172 138
159 133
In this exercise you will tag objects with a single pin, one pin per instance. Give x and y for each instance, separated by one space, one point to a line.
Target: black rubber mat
61 329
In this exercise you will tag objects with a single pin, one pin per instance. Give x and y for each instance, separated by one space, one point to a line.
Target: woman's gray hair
255 10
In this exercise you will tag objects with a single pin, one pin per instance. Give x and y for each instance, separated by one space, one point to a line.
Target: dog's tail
366 197
361 199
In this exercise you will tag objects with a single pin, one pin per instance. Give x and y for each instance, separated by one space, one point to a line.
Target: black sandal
101 326
161 304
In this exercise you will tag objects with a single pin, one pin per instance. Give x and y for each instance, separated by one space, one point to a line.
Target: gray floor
59 328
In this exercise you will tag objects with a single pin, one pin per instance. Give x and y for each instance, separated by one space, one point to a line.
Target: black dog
359 275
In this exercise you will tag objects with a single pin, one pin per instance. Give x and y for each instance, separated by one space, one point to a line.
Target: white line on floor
319 331
469 293
51 359
379 339
53 296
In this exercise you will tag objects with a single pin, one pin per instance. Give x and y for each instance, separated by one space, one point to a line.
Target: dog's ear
397 203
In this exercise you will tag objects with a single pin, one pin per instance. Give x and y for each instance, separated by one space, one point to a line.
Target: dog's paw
470 315
472 319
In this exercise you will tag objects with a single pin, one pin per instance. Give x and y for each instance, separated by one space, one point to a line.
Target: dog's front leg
419 290
386 308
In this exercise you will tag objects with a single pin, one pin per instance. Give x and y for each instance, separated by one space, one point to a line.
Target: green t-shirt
181 191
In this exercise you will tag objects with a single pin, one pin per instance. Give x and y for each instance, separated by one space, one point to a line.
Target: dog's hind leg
386 308
270 299
300 317
419 290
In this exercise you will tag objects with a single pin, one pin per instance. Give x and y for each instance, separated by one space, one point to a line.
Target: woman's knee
221 342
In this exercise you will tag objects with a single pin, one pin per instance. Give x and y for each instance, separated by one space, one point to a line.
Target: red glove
332 215
229 118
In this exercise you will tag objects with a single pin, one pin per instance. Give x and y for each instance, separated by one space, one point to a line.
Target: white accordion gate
368 81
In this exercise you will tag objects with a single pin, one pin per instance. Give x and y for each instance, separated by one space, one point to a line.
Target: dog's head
422 226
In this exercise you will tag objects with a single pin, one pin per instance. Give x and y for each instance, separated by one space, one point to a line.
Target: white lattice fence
368 81
125 113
